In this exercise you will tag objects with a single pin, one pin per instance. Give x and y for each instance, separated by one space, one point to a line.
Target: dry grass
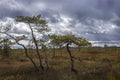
91 63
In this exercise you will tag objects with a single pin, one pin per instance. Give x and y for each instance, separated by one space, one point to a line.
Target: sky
96 20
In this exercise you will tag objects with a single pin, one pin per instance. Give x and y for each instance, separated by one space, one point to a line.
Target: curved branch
26 51
36 45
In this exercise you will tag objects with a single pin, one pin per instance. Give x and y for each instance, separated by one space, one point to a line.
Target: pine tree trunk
71 58
46 57
26 53
36 46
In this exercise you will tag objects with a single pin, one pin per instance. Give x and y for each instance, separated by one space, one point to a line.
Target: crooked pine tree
68 40
35 23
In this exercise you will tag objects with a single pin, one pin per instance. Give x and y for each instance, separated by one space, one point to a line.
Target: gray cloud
78 9
93 19
81 9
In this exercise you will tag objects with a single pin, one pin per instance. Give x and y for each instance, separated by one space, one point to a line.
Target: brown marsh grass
91 63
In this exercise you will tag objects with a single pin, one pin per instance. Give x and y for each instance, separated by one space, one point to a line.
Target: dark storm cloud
11 9
78 9
82 12
107 10
51 16
97 9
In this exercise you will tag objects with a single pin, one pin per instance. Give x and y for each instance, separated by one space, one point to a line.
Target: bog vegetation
59 57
